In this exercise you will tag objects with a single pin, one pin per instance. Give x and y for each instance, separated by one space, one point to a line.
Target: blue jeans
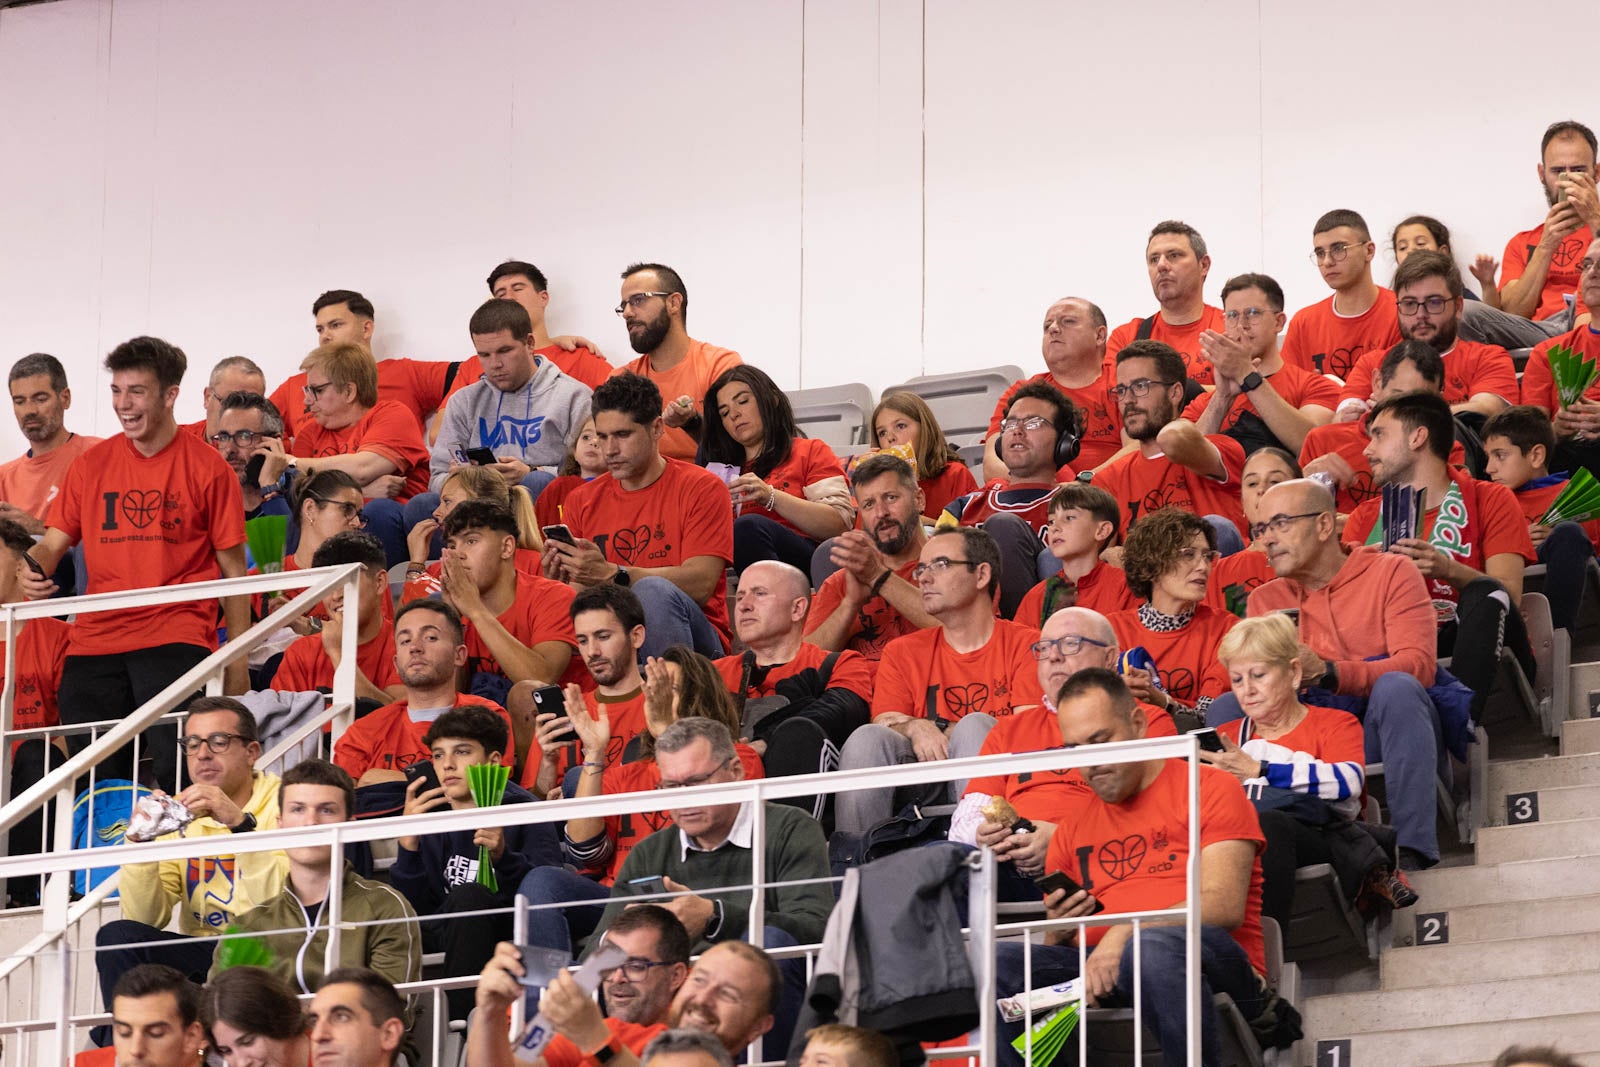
1224 968
757 537
562 927
673 618
386 521
423 505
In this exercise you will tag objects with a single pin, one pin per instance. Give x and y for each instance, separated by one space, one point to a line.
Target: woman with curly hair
1168 558
790 492
904 418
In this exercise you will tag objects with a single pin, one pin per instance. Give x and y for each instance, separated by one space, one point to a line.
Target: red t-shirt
148 521
683 514
581 363
387 430
1349 439
642 776
877 623
1237 575
626 716
305 665
1041 794
850 671
1186 657
1534 502
1469 368
1297 386
388 739
955 480
1142 485
416 385
1186 339
30 483
1104 589
701 365
1102 420
538 613
1028 501
561 1052
1561 279
41 649
810 461
550 507
1322 340
1491 525
921 675
1134 856
1538 388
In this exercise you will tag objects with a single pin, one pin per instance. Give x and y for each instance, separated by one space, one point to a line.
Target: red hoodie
1373 618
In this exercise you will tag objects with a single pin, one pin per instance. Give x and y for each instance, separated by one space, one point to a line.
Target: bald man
1367 632
1074 348
1072 640
800 703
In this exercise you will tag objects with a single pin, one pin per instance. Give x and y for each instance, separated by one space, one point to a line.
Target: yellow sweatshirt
214 889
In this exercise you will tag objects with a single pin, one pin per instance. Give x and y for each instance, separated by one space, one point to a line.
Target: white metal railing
58 786
63 1020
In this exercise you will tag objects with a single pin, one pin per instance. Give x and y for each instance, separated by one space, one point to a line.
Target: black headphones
1068 439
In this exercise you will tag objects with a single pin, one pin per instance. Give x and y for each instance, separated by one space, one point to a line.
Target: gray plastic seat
963 402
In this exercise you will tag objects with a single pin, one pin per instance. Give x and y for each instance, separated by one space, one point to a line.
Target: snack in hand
1000 812
155 816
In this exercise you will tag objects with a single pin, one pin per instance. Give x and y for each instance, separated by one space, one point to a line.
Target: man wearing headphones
1039 434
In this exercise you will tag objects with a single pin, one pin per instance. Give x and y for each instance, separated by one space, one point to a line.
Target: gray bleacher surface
836 415
963 402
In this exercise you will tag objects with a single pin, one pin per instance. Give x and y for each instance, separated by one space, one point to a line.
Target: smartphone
1561 189
558 532
33 565
1209 741
252 470
648 886
483 457
1049 883
550 700
423 769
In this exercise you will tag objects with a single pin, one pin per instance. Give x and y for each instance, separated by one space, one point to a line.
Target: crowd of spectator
622 578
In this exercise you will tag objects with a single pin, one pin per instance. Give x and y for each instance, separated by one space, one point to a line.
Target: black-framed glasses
1279 523
635 969
1334 253
1434 305
1138 387
242 438
1031 423
314 392
347 509
699 779
1245 315
217 742
938 565
636 301
1070 645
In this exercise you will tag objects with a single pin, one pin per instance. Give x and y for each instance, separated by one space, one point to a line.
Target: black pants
32 762
100 688
1290 844
1565 554
467 944
119 948
1484 624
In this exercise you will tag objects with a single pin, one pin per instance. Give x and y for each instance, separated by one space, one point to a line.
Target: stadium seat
1323 923
1585 636
963 402
1519 358
836 415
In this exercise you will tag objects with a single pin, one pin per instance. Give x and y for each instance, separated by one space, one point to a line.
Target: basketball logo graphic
1361 488
1161 497
1180 683
961 699
141 506
1120 859
1341 361
630 544
1570 252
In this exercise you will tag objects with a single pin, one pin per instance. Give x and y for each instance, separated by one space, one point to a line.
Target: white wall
852 190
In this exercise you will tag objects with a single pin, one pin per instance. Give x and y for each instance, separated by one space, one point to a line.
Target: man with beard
1260 400
1175 255
1541 268
870 599
655 309
730 993
1176 464
1074 347
1328 337
1429 297
249 426
40 397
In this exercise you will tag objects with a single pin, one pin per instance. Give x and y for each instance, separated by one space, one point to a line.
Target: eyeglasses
1279 523
1031 423
314 392
636 301
1070 645
218 742
939 565
1247 314
1588 265
1334 253
1191 556
1138 387
1410 305
242 438
347 509
699 779
637 970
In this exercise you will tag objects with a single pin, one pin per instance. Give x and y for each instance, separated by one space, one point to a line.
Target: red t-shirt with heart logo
922 676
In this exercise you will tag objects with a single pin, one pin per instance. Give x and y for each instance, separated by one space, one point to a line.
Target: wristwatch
246 824
877 586
606 1052
1250 382
1086 476
622 577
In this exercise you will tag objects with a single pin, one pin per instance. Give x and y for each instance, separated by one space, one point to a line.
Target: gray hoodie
536 424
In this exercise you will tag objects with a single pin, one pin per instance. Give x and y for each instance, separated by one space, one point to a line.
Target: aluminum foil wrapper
155 816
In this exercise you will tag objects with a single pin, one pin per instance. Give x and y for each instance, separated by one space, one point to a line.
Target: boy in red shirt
310 662
1175 255
1106 835
1084 522
152 507
1519 442
1329 337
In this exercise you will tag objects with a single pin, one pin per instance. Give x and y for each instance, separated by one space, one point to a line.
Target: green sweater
795 849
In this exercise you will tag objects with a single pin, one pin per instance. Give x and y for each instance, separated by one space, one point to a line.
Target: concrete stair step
1557 805
1579 736
1444 888
1547 838
1434 1046
1500 921
1531 775
1468 963
1394 1011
